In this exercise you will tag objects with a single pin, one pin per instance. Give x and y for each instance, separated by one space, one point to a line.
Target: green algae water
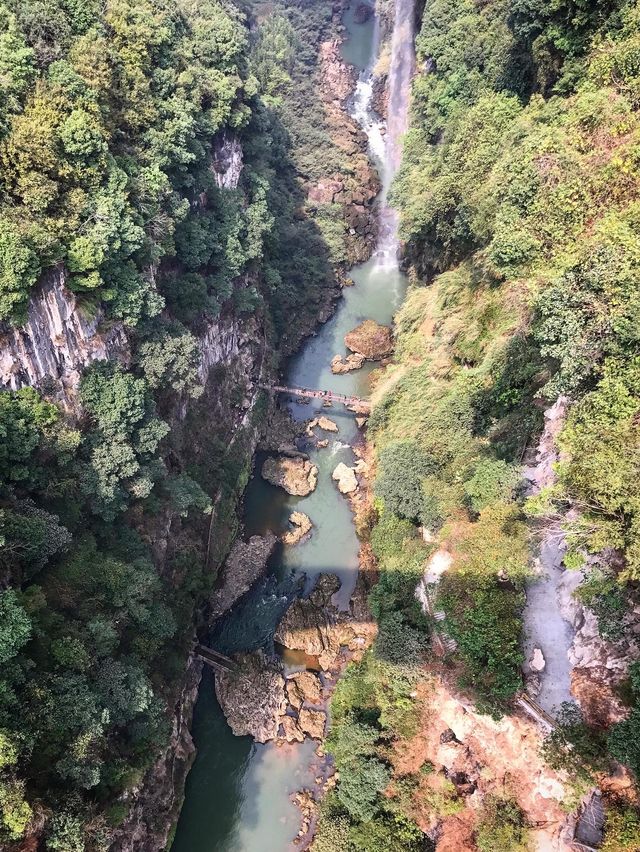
238 793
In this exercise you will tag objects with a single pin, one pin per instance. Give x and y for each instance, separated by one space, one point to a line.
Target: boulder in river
340 364
301 524
290 730
346 478
296 475
253 697
244 565
370 339
327 425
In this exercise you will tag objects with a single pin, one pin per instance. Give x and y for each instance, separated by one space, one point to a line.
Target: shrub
403 464
361 781
501 826
493 481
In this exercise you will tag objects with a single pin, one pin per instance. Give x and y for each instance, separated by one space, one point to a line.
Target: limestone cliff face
226 163
57 342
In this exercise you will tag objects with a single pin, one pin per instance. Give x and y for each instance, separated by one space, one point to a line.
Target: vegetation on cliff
519 210
119 125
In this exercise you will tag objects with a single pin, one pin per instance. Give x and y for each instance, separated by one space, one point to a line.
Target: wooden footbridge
325 395
215 659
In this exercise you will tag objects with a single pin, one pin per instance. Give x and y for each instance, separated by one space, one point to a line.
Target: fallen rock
306 686
316 626
291 730
294 696
361 421
537 661
370 339
322 444
346 478
312 722
307 625
244 565
301 527
324 191
253 698
297 476
340 364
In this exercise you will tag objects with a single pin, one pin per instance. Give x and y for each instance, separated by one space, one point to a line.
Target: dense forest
519 211
111 116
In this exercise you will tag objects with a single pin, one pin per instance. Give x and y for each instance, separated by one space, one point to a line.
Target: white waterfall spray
400 74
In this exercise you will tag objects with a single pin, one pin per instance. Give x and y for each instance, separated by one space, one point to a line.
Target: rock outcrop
371 340
244 565
296 475
301 527
253 698
340 364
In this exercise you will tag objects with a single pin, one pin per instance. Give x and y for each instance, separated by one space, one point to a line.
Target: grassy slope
519 207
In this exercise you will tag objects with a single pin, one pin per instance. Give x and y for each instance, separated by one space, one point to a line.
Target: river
238 793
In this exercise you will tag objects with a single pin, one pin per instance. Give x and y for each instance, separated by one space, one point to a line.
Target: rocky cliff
57 342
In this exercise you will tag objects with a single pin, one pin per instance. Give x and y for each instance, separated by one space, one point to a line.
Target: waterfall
400 74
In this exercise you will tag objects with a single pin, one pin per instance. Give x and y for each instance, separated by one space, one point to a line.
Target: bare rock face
301 524
244 565
297 476
346 478
56 342
253 698
371 340
226 163
340 365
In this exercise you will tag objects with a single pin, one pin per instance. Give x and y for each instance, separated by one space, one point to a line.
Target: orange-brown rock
600 704
370 339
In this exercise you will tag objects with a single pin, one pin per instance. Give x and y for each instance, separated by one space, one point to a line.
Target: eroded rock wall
57 342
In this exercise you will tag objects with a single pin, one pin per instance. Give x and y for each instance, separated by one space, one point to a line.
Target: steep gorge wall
49 352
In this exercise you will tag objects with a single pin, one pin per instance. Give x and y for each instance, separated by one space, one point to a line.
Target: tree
15 626
19 269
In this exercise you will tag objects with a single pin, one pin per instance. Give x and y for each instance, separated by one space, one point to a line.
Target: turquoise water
238 793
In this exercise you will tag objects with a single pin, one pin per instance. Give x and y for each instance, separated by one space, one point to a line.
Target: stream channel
238 792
